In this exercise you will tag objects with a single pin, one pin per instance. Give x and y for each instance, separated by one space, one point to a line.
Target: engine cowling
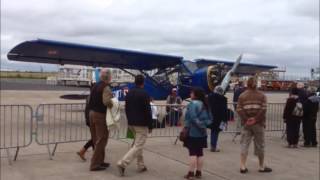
209 77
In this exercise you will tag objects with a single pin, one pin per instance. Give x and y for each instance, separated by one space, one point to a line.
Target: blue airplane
159 69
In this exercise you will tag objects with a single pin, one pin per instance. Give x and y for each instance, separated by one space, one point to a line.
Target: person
138 112
100 99
302 93
292 115
252 106
89 143
238 90
219 111
155 114
197 118
310 110
173 112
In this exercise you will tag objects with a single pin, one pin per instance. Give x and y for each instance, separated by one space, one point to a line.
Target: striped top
252 104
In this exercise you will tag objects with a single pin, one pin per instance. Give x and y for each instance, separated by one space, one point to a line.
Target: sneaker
265 170
214 150
189 176
106 165
121 170
198 174
244 171
99 168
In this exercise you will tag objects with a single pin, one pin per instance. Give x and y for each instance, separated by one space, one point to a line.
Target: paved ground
165 161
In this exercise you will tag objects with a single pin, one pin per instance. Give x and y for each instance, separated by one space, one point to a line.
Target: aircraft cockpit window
192 66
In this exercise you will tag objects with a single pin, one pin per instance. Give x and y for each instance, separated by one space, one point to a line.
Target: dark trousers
214 138
293 129
173 117
89 143
309 131
99 134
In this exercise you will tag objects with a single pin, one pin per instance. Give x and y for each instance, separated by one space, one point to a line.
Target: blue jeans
214 138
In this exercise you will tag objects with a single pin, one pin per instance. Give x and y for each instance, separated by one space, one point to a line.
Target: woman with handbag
197 119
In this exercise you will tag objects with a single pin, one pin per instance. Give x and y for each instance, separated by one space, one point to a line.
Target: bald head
105 75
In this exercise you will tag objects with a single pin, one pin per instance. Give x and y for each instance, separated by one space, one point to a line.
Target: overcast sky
274 32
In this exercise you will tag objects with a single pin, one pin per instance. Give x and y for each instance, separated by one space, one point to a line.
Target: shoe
265 170
106 165
198 174
214 150
99 168
244 171
314 145
121 170
189 176
81 155
144 169
306 145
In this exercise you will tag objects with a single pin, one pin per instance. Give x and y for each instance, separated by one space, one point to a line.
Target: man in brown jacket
100 99
252 107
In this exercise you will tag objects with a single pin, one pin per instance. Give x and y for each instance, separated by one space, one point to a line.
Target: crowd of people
203 112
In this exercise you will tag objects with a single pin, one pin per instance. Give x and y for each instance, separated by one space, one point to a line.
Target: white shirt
154 111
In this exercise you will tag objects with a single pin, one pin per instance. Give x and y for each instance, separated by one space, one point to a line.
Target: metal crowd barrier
65 123
60 123
15 128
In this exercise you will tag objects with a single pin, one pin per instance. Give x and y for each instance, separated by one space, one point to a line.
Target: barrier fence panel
60 123
65 123
15 127
274 120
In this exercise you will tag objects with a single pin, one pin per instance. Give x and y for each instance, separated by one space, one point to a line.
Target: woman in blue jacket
197 119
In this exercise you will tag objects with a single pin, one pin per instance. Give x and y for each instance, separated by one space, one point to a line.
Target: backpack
298 110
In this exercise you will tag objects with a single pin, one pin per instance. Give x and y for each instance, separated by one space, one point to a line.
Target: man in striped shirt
252 107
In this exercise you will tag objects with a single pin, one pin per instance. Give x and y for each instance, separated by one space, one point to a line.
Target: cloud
282 33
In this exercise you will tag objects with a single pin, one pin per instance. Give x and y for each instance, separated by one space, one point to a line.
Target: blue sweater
197 119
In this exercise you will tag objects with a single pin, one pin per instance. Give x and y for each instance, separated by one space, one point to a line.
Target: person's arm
262 110
225 110
195 112
240 109
126 106
188 115
148 112
288 109
107 97
167 102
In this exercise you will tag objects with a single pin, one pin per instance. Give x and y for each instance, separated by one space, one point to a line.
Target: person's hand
251 121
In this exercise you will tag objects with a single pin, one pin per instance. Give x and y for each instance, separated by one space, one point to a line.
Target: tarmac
165 161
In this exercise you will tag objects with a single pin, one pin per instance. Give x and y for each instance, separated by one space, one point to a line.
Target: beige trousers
136 151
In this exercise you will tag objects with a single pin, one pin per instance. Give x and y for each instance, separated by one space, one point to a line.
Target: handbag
184 134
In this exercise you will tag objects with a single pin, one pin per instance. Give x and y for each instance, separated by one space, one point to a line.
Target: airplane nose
215 74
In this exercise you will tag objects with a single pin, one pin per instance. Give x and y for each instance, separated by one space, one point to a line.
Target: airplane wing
54 52
242 69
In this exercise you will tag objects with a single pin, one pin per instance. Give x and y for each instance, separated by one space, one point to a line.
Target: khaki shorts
256 132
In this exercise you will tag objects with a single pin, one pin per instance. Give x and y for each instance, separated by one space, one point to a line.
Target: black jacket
219 109
311 108
288 109
138 109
